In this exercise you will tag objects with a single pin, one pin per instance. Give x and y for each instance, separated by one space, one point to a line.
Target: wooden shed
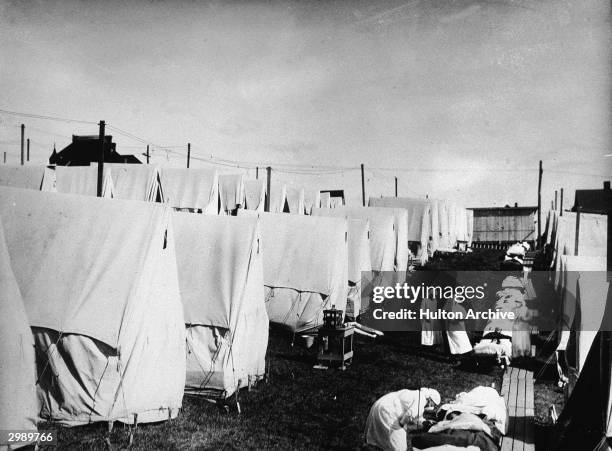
504 225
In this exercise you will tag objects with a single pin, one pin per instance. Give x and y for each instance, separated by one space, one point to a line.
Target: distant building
84 150
594 200
336 196
504 225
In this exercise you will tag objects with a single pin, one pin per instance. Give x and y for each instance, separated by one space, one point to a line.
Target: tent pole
395 186
555 200
257 173
561 204
22 134
268 187
362 186
101 157
28 150
147 154
188 154
539 205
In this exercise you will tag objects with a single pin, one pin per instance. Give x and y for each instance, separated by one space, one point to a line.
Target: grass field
299 407
303 408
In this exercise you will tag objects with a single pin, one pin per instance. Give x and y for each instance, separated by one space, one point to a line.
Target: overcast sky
458 99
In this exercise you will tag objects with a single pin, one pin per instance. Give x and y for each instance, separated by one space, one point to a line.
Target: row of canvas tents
581 279
159 302
162 302
128 305
432 224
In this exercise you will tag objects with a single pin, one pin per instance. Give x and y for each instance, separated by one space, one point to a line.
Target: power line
303 169
49 118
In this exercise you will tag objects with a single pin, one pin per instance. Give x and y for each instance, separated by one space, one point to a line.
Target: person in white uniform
393 414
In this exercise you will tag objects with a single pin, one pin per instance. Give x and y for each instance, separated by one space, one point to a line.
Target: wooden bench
517 390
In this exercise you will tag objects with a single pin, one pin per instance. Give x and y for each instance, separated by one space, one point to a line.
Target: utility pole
256 172
101 138
188 154
577 229
268 188
395 186
555 207
28 150
362 185
561 203
147 154
540 204
22 135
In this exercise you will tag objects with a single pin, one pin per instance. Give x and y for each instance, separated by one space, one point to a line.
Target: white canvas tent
470 226
18 400
231 192
419 218
583 288
312 199
359 263
278 198
388 233
222 289
81 180
305 267
592 239
325 200
452 223
27 177
295 200
100 288
255 195
435 224
136 182
194 189
586 419
444 226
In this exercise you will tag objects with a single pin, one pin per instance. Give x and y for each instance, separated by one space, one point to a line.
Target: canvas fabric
135 181
384 237
307 258
27 176
82 180
18 400
193 188
255 195
231 191
108 320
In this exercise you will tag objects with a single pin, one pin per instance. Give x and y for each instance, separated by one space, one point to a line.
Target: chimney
515 204
607 185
